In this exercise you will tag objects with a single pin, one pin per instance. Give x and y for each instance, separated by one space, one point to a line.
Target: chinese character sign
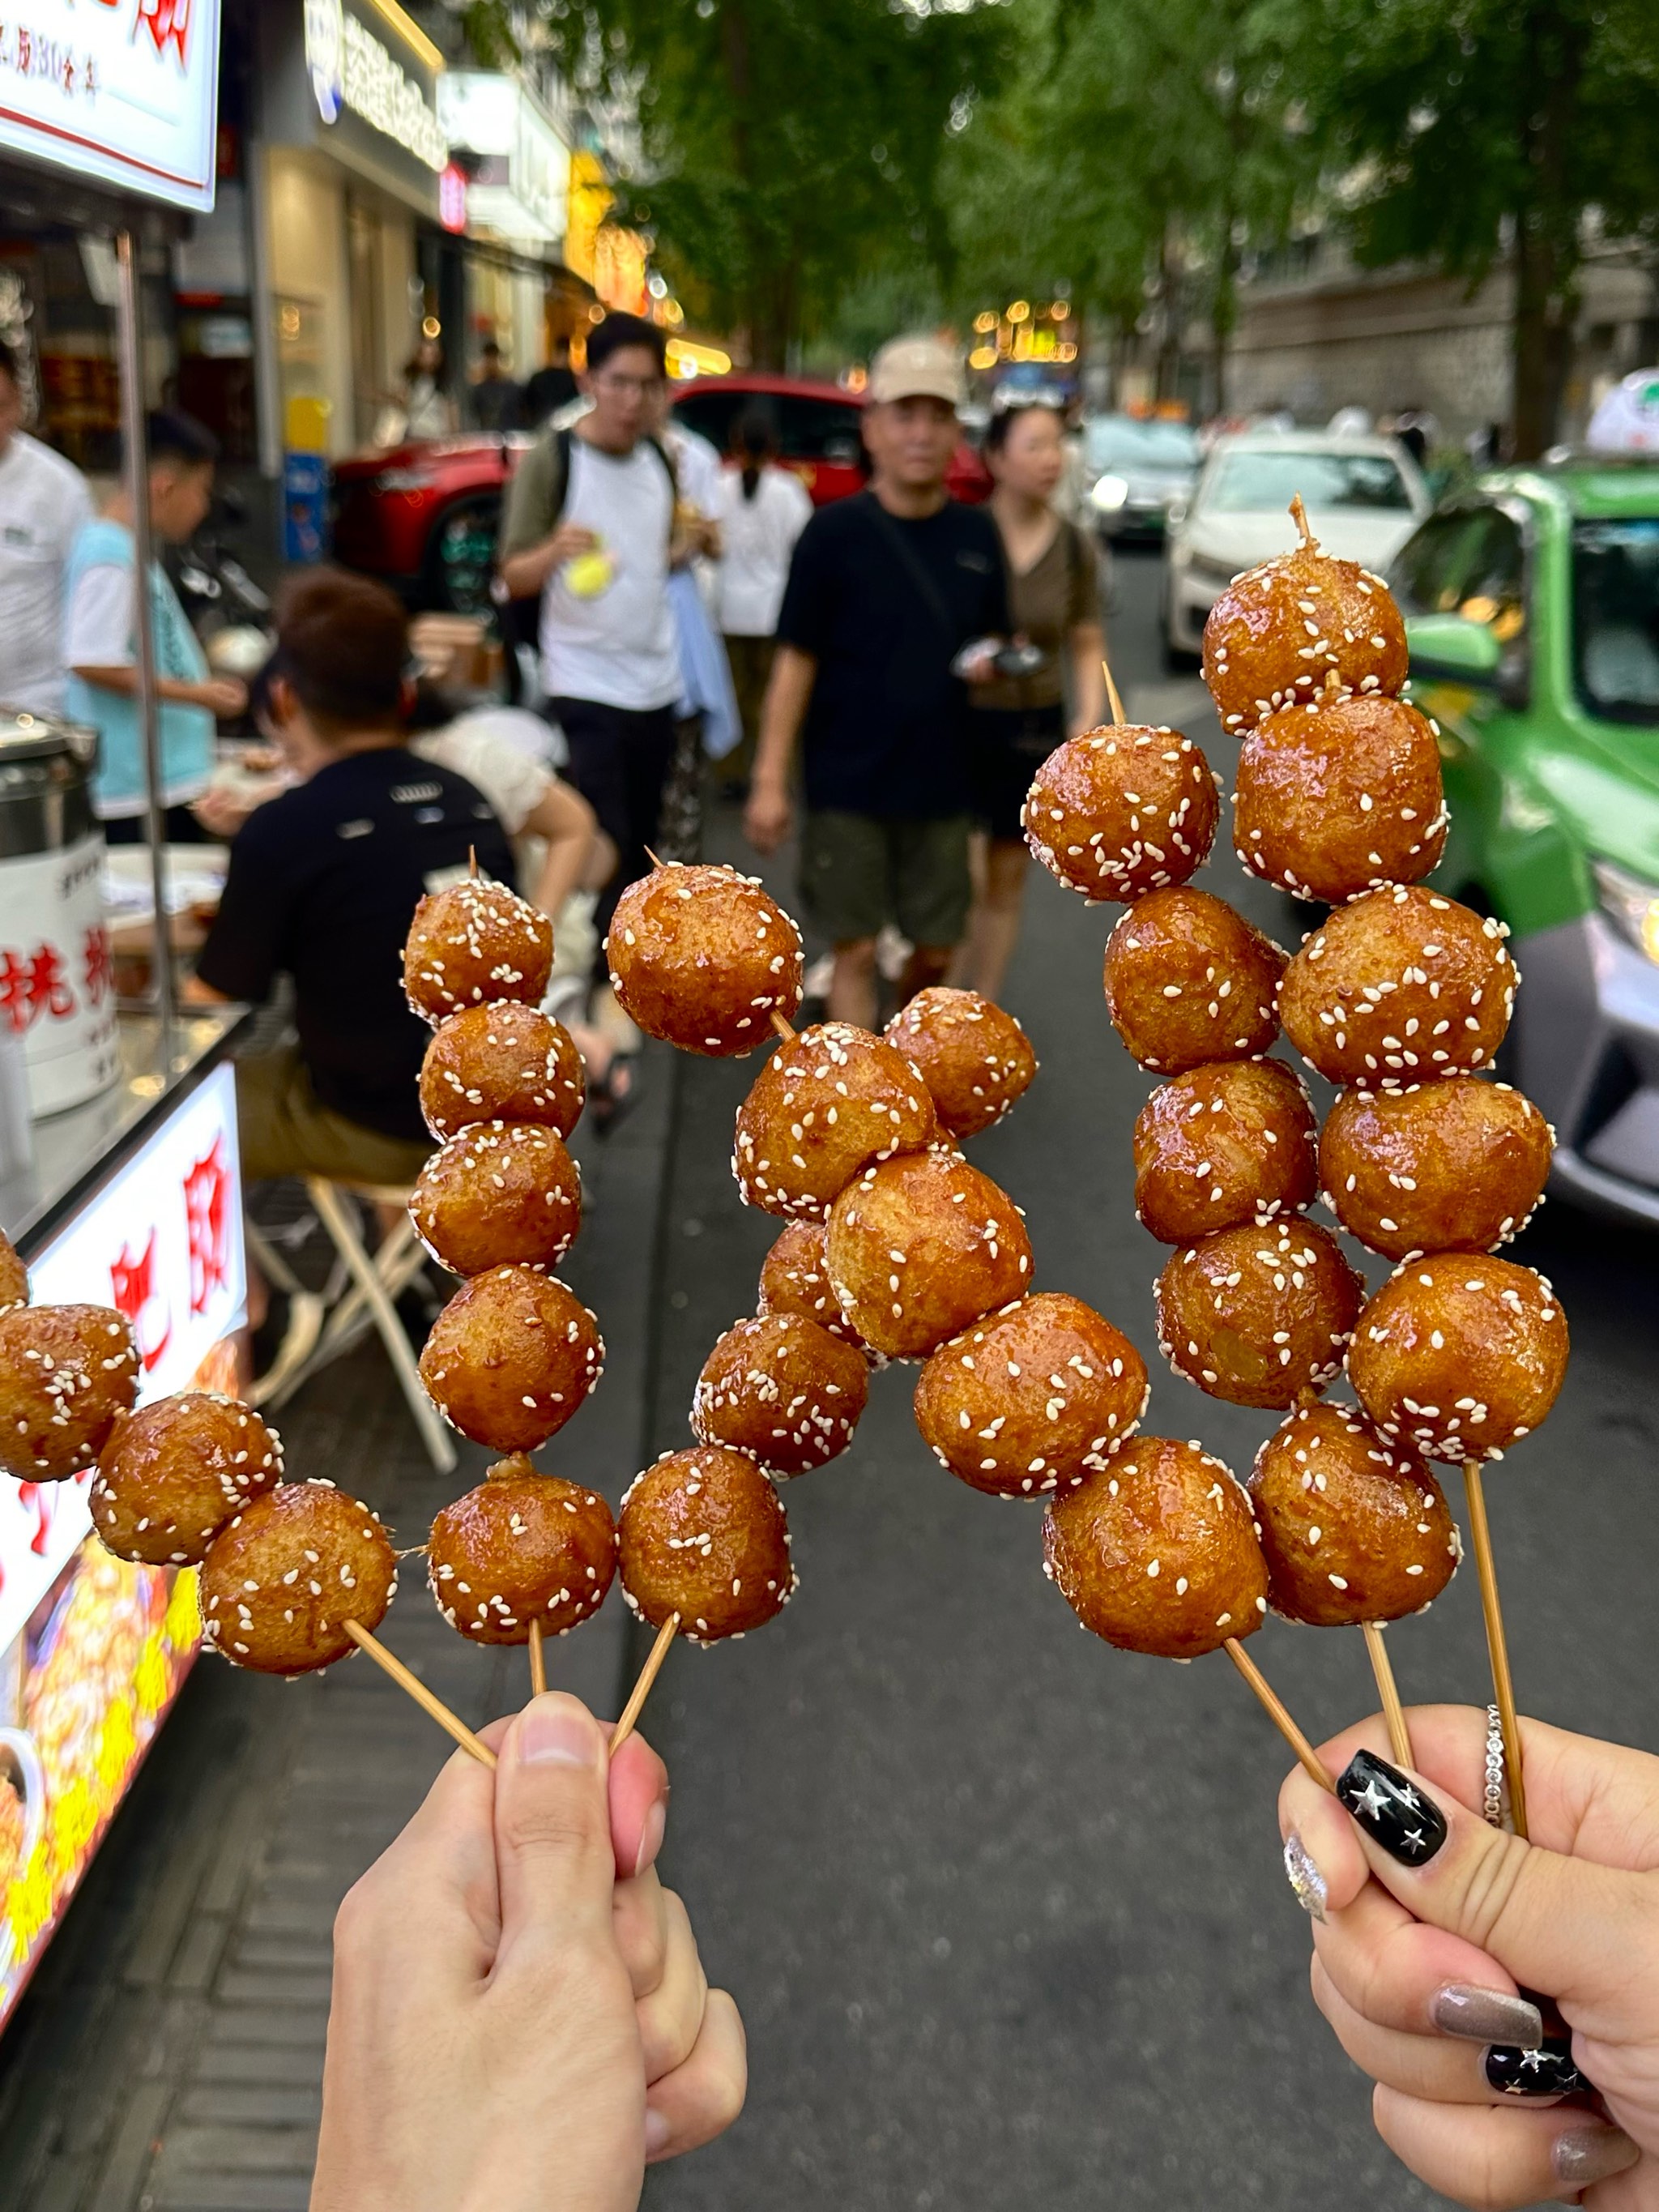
56 984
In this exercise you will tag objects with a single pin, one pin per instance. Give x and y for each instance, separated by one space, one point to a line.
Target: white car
1365 496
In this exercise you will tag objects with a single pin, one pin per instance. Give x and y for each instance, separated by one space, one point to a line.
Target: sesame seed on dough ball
1188 981
502 1063
521 1547
1222 1145
1122 810
279 1580
1459 1355
474 943
703 958
499 1194
784 1390
794 1280
1277 631
1158 1553
65 1373
702 1534
1458 1165
825 1105
1355 1529
975 1059
175 1472
14 1276
1399 985
1336 797
510 1358
920 1247
1256 1316
1031 1399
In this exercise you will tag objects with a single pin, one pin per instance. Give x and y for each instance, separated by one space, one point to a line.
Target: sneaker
283 1341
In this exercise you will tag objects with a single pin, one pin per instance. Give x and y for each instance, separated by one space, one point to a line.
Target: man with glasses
589 529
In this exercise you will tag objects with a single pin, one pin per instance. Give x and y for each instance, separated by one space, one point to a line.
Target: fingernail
1546 2072
650 1836
1391 1809
1585 2154
551 1734
1305 1879
1487 2016
657 2130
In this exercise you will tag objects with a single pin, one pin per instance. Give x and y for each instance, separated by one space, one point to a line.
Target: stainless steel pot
45 784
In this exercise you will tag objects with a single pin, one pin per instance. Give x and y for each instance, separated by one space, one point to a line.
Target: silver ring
1492 1805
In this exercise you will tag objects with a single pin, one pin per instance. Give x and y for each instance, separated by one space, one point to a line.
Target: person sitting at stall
101 646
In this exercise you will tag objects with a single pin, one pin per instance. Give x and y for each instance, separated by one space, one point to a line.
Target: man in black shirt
323 881
885 592
497 403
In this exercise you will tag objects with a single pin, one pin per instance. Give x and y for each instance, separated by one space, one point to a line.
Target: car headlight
1630 905
405 480
1109 493
1206 571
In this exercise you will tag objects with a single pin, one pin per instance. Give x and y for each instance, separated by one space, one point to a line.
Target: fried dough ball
703 957
975 1059
1123 809
782 1388
1256 1314
474 943
499 1194
1158 1553
279 1580
65 1373
1278 631
1399 985
1458 1165
1031 1399
522 1547
502 1063
1222 1145
1459 1355
920 1247
510 1358
826 1103
703 1534
1188 981
1354 1530
1337 796
175 1472
14 1276
795 1280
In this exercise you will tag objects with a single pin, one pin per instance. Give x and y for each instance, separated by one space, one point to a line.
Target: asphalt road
1004 1908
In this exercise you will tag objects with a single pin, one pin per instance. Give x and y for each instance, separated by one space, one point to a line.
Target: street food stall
118 1175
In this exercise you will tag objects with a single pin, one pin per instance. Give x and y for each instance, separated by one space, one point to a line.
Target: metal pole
129 331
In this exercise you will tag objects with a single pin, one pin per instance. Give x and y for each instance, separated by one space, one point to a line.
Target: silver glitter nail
1582 2156
1304 1876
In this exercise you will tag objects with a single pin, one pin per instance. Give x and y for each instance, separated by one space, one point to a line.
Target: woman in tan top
1016 722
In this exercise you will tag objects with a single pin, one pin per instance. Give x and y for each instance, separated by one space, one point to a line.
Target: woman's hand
1434 1933
520 2017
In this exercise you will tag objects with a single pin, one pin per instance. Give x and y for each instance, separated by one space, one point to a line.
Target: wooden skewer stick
1112 695
1496 1645
1276 1712
1299 516
652 857
537 1661
782 1025
1394 1712
641 1689
450 1722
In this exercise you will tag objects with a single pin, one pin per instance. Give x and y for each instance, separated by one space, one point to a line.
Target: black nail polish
1546 2072
1388 1805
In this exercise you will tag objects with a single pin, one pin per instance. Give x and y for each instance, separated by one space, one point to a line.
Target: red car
424 516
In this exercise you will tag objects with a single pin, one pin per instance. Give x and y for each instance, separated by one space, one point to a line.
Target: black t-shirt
323 882
884 606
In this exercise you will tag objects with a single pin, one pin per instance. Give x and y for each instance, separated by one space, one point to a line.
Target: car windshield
1118 442
1246 482
1615 618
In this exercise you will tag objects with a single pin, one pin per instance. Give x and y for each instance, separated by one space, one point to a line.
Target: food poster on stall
94 1649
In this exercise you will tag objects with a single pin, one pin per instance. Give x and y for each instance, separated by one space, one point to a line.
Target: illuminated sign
125 92
451 198
519 185
590 196
351 68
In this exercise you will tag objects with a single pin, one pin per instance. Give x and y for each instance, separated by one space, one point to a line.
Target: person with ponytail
763 508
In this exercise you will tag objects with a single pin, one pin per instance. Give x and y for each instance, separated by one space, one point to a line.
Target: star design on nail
1531 2061
1408 1798
1413 1838
1371 1801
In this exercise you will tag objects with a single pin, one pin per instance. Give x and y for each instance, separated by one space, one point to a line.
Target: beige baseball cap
917 369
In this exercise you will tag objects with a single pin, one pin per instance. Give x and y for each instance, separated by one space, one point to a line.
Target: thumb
553 1851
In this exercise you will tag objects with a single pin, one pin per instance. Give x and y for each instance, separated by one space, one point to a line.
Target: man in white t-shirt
44 500
589 529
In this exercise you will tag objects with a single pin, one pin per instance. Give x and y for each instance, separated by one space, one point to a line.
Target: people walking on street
1016 721
762 512
44 501
589 529
888 591
550 388
99 647
427 409
495 401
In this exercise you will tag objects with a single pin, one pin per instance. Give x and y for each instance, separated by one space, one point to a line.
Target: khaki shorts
859 870
286 1131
